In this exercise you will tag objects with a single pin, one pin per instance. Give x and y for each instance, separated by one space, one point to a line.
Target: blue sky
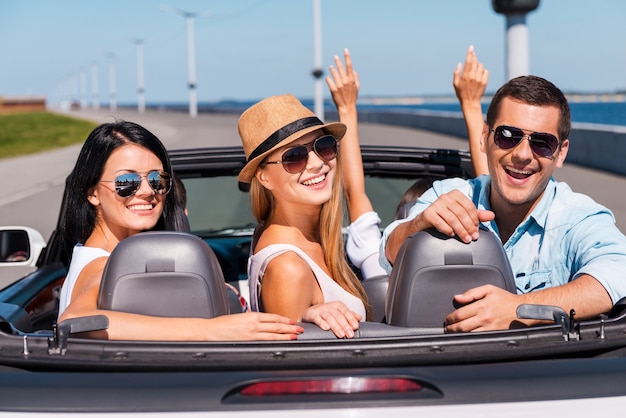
249 49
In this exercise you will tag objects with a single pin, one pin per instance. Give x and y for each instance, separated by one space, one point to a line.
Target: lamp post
517 55
191 66
95 99
83 89
141 100
318 98
112 84
191 57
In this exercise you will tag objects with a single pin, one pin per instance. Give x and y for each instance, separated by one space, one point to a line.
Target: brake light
332 386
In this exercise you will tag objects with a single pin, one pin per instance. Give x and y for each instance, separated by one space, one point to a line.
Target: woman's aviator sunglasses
541 143
127 184
294 160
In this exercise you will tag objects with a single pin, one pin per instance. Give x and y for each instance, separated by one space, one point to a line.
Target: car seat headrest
163 273
431 268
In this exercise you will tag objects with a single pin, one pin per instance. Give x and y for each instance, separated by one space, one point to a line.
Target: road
33 185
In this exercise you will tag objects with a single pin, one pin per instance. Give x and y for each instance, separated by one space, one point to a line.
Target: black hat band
284 132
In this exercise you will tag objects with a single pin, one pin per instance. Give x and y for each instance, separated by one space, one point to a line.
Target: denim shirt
565 236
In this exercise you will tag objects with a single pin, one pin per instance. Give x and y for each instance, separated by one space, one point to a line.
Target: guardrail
602 147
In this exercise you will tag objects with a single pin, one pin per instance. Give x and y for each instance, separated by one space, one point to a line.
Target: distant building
10 104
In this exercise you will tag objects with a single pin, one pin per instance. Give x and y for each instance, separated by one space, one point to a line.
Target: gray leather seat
169 274
376 290
431 268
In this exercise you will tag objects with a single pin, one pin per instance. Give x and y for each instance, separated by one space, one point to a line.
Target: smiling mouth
140 207
518 173
314 181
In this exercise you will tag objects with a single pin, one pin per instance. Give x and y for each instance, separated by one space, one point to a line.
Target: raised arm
469 83
363 242
343 83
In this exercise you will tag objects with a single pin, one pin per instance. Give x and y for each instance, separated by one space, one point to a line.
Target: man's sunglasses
127 184
294 160
541 143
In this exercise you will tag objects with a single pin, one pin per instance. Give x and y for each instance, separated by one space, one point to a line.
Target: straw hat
273 123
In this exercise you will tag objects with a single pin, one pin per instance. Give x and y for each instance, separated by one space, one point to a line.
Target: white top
363 245
331 291
81 256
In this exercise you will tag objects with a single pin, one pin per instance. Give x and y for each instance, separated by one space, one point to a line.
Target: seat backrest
181 220
431 268
376 290
168 274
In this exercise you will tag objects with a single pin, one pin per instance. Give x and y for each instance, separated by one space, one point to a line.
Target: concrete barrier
601 147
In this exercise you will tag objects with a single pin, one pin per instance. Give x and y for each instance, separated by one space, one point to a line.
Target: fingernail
475 235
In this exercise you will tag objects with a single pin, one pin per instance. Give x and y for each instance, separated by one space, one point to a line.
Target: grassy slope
32 132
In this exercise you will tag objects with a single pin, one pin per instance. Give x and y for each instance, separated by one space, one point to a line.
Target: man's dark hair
535 91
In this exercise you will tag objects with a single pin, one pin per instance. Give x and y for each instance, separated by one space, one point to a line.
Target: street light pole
94 86
112 84
191 65
318 100
141 100
83 89
191 57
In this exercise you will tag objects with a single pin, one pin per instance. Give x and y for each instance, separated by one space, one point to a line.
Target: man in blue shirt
564 248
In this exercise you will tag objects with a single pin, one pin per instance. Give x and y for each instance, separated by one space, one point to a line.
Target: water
607 113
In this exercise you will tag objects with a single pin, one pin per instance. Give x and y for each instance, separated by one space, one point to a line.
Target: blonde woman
298 267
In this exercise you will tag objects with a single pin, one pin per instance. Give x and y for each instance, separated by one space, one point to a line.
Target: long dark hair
78 217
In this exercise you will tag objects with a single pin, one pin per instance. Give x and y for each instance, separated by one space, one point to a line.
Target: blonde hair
331 237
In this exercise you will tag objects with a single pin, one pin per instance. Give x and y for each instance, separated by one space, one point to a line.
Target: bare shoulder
84 298
289 278
289 266
275 234
91 276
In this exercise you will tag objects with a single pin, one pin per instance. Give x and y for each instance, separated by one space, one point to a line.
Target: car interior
155 273
432 267
201 270
164 273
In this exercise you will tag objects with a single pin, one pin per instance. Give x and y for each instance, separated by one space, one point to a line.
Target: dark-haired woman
121 185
